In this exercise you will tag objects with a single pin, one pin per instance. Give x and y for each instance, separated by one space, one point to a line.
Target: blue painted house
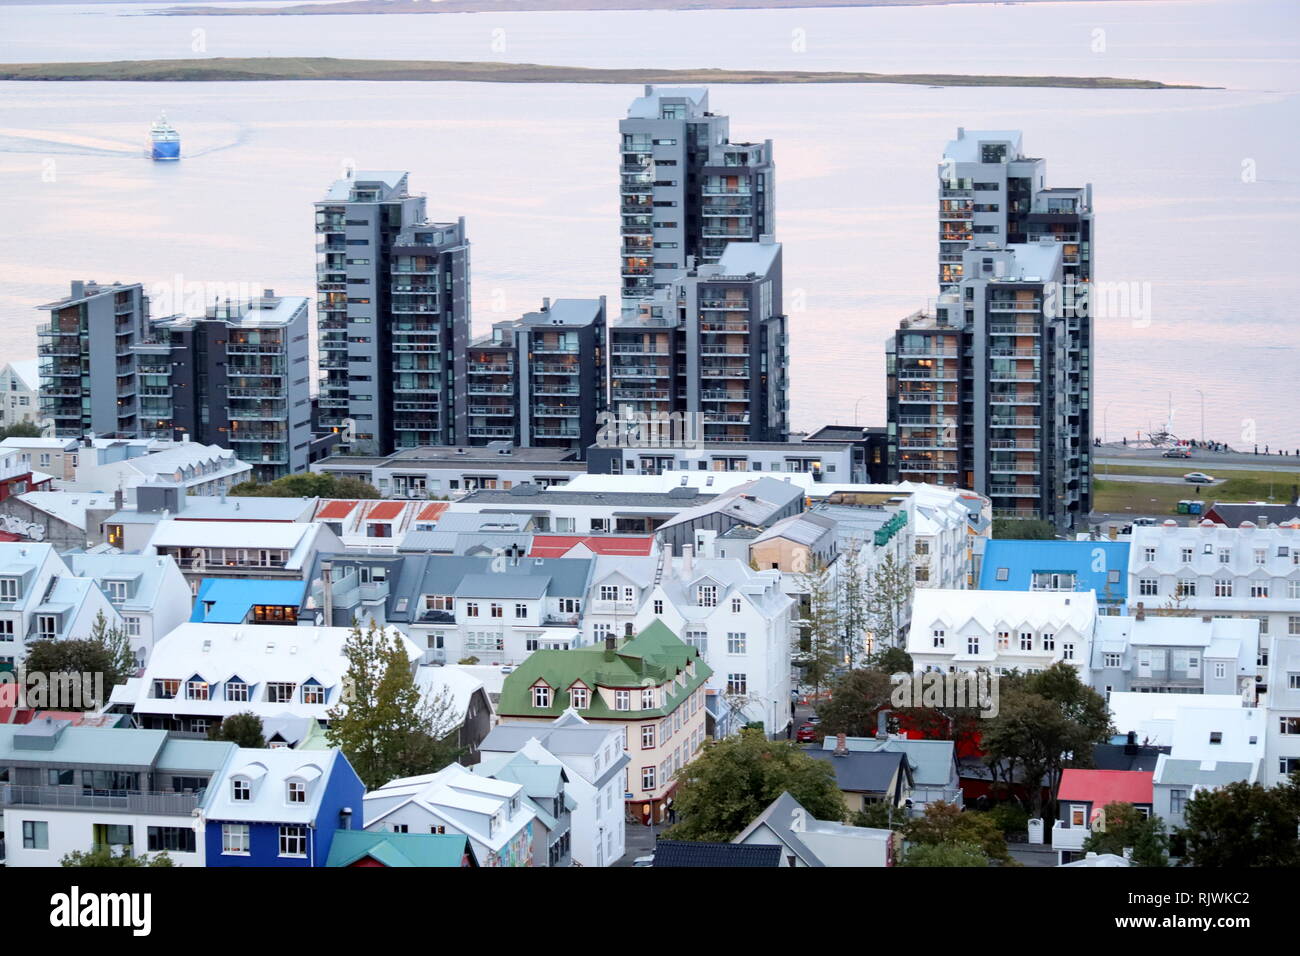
1023 565
280 807
247 601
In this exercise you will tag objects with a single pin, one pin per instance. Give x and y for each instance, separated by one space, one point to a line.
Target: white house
150 593
1001 631
200 674
106 466
1182 655
594 761
225 549
741 622
1282 745
494 814
1247 571
41 598
20 384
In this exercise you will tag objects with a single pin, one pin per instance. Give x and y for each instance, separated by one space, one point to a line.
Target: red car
807 733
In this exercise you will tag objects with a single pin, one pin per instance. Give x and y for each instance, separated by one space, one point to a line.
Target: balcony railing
143 801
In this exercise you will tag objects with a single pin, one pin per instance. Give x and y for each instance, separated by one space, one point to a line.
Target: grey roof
862 772
532 495
483 521
565 312
573 741
82 745
683 853
932 762
807 528
752 503
497 585
1192 772
780 816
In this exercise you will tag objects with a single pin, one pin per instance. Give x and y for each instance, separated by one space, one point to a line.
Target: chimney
882 725
345 818
610 643
1131 745
1140 612
546 303
688 559
841 745
117 500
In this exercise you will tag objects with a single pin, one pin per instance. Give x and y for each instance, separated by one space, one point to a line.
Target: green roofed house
356 848
652 686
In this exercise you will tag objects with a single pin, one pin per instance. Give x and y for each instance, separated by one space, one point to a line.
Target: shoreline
265 69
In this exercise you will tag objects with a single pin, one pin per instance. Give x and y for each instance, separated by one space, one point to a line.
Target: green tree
1023 528
877 816
943 854
856 698
114 640
20 430
384 725
889 599
79 672
947 824
891 660
307 484
855 602
817 641
244 729
733 780
104 856
1126 828
1242 825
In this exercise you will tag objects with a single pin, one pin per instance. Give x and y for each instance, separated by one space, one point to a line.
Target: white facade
20 384
741 622
150 594
200 469
41 597
1246 571
42 837
1001 630
1282 745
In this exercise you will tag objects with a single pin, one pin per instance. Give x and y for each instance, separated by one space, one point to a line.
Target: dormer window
578 697
622 700
706 595
735 605
313 693
236 690
280 692
9 589
196 688
166 689
296 791
241 789
116 591
648 698
541 695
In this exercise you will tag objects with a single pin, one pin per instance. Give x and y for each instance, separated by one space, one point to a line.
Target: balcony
1070 839
726 305
477 389
556 390
556 411
143 801
1014 305
735 371
497 411
556 368
502 368
490 431
1001 329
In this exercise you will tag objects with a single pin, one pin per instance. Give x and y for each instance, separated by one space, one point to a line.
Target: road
1159 480
1201 460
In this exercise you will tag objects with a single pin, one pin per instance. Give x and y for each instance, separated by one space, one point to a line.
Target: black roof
1234 514
863 771
685 853
1118 757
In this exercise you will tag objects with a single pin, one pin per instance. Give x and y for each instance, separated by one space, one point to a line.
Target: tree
1023 528
877 816
947 824
889 599
1122 828
855 602
891 660
817 641
307 484
20 430
115 641
1242 824
733 780
384 726
103 855
1045 723
244 729
856 698
944 854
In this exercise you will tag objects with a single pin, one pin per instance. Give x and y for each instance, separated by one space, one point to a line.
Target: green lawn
1151 498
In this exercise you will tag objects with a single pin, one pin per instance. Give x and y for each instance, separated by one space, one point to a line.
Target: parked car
1142 523
1178 453
806 734
1198 477
644 860
814 719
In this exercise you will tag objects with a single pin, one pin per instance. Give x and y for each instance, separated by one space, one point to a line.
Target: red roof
1100 787
558 545
386 510
7 536
432 512
336 509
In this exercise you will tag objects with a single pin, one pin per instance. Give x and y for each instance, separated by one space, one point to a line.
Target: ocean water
1197 192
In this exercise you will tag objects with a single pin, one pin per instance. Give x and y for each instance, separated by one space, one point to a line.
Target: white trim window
972 643
293 841
706 595
241 790
647 698
622 700
647 736
313 693
736 642
939 637
578 698
197 690
541 695
236 691
647 778
295 791
234 839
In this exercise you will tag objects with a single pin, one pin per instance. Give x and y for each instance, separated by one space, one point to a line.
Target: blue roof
1089 561
232 598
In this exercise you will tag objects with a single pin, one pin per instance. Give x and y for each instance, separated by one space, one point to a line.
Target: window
1293 624
735 643
658 606
541 696
47 626
578 698
280 693
938 636
1261 555
240 789
1112 660
1223 588
313 693
196 690
1112 577
1259 590
707 595
1293 587
116 591
166 689
735 605
293 841
622 700
647 698
171 839
737 684
647 736
1148 586
972 644
1004 640
36 835
1003 574
8 589
1225 555
1186 555
1187 587
236 691
1177 801
1067 651
1049 641
496 610
1216 736
1220 670
1148 554
608 592
521 611
132 626
1026 640
471 609
61 778
296 792
1290 726
647 778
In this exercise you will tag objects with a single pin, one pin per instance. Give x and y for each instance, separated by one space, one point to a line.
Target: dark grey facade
393 311
100 397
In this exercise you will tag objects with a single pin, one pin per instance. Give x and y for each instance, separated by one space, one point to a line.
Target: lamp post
1202 394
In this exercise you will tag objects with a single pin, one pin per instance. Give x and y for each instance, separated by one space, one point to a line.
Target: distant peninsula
537 6
329 68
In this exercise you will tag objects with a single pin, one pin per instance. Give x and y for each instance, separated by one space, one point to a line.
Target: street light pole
1202 394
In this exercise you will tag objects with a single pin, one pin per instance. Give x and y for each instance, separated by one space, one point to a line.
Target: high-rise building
537 381
239 377
98 397
981 391
711 344
686 191
393 312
